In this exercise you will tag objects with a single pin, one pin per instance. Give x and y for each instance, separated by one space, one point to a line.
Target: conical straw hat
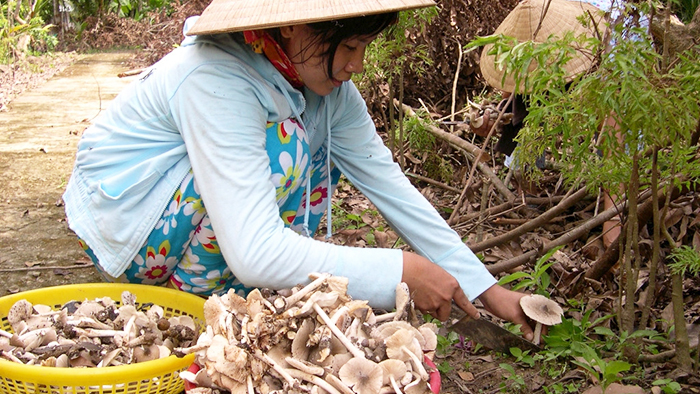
552 17
222 16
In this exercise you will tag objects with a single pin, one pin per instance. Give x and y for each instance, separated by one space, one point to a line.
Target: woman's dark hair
332 33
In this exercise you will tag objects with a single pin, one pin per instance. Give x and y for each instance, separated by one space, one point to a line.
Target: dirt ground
39 131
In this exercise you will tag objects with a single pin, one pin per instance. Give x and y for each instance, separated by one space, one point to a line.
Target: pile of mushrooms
311 339
93 333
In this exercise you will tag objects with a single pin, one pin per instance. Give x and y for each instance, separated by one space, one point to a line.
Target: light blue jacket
204 106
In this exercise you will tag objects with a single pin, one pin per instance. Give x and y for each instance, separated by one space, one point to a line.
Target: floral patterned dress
183 248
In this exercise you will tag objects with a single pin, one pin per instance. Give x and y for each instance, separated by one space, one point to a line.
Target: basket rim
107 375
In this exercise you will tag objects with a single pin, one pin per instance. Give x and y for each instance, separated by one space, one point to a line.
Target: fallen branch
572 235
506 206
48 267
541 220
432 182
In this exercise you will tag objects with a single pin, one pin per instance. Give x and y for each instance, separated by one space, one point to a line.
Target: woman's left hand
505 304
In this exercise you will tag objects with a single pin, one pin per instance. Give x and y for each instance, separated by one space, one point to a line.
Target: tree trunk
682 342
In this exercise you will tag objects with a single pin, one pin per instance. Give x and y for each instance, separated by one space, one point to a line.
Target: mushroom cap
401 341
429 332
364 376
19 311
541 309
393 367
299 349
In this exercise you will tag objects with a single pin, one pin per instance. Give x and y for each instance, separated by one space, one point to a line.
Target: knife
490 335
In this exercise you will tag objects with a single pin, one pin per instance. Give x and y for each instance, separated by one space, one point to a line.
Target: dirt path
38 138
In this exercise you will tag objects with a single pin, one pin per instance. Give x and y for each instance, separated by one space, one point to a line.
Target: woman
213 169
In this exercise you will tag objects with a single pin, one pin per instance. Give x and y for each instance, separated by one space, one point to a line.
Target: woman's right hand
433 289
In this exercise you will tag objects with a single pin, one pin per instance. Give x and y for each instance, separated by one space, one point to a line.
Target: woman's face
313 67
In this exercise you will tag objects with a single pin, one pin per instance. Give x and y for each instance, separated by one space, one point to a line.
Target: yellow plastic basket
157 376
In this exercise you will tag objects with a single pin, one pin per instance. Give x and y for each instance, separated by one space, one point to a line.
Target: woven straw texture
223 16
555 19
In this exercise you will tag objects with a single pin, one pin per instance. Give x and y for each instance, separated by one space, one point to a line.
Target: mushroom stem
337 383
336 331
11 357
313 379
296 297
6 334
183 351
416 362
385 317
306 367
413 383
249 384
278 368
97 333
128 327
395 385
538 333
245 341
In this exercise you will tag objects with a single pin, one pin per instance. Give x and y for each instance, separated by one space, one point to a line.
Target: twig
570 236
469 148
509 206
477 161
657 358
130 73
531 224
48 267
432 182
454 85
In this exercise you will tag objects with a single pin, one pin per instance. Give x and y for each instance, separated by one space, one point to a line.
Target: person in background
536 20
212 170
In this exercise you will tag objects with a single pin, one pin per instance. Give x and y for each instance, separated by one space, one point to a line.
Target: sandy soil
39 131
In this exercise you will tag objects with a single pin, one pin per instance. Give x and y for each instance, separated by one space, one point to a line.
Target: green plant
595 128
444 367
614 342
685 260
514 382
604 371
446 343
523 357
391 51
562 338
560 388
668 386
538 280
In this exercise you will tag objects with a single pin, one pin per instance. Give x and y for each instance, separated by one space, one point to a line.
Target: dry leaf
466 375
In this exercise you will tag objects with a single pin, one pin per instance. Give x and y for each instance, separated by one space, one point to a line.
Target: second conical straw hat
222 16
536 20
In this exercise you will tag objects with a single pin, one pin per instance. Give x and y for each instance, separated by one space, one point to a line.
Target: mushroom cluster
311 339
93 333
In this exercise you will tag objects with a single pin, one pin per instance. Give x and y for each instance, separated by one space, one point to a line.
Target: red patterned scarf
262 42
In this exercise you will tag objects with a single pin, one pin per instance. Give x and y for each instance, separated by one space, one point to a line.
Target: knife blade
491 335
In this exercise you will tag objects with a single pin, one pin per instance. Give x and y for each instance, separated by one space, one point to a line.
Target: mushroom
19 312
305 366
325 385
403 345
364 376
543 311
283 304
299 349
393 370
338 284
336 331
